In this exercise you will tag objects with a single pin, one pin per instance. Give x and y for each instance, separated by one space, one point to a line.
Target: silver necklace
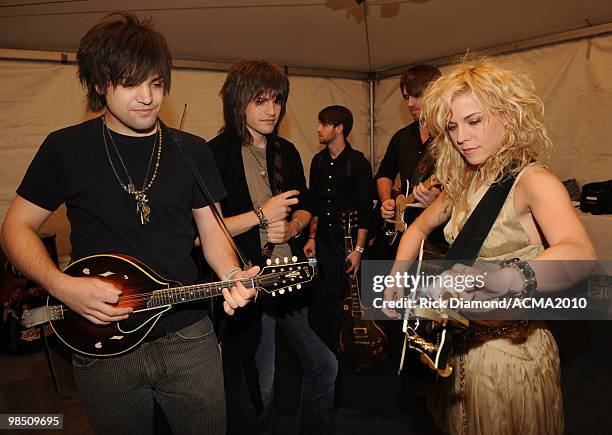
262 168
142 202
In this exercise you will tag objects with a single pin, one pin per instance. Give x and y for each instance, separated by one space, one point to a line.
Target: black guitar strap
468 242
178 140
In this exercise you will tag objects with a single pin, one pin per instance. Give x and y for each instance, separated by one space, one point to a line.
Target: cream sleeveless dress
512 382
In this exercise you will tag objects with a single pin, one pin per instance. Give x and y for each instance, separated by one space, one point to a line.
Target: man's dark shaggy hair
416 79
121 50
247 81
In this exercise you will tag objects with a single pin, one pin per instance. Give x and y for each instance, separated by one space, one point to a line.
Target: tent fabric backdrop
573 80
37 98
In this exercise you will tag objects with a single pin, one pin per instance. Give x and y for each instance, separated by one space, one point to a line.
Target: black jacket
228 156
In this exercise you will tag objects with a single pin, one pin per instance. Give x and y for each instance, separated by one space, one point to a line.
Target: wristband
230 273
359 249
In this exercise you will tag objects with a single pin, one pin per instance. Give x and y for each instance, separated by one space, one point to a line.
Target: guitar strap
277 185
178 140
425 166
468 242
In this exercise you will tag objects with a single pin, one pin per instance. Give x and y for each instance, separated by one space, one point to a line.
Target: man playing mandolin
128 190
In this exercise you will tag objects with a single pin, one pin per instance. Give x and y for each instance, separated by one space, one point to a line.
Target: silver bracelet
359 249
300 228
530 284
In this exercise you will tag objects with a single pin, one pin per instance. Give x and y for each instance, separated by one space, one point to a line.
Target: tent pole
372 86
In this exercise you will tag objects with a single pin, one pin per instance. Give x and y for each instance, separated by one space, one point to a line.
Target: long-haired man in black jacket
266 209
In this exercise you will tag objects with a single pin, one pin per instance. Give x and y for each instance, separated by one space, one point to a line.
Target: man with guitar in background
407 154
128 191
267 207
340 181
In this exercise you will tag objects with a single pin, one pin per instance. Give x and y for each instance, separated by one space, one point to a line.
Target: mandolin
150 296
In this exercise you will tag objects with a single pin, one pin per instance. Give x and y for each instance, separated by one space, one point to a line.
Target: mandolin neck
190 293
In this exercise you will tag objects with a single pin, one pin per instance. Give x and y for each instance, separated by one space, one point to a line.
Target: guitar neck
401 206
356 310
190 293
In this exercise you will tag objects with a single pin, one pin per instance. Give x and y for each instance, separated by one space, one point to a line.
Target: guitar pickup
360 331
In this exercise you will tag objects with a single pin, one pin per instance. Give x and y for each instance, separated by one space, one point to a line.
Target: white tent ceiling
338 35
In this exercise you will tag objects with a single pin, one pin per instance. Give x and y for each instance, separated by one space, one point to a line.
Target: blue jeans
319 365
181 371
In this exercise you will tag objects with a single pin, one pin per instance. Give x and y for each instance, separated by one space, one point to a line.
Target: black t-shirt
407 155
72 166
403 154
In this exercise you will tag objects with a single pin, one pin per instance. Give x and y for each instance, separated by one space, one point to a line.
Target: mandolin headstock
283 276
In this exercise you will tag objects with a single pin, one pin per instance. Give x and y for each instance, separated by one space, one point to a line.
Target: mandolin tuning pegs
277 260
285 260
273 294
281 291
294 259
268 262
290 288
299 286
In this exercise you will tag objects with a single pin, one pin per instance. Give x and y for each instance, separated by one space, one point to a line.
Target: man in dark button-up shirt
340 181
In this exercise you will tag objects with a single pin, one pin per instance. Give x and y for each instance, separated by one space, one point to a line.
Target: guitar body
134 279
431 332
362 341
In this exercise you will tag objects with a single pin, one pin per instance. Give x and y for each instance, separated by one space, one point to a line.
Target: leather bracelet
530 284
263 222
359 249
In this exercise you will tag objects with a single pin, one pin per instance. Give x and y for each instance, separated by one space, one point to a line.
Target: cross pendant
142 208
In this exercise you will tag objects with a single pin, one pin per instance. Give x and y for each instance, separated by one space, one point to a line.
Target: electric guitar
392 230
150 297
362 341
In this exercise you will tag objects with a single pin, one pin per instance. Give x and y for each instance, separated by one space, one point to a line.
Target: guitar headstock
349 222
283 276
